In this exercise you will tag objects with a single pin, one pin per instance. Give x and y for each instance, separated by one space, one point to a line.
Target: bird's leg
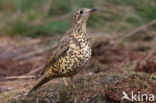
65 81
72 82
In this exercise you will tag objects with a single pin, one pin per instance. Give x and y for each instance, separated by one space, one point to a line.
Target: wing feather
60 50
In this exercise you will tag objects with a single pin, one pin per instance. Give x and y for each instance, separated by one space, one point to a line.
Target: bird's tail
43 79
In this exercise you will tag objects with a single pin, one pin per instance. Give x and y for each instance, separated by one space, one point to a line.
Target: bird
72 52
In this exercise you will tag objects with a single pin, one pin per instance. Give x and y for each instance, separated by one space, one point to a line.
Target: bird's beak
93 10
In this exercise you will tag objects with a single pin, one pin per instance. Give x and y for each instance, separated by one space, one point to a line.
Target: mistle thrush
72 53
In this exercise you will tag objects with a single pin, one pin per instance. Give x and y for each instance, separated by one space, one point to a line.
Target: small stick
65 81
20 77
141 28
34 70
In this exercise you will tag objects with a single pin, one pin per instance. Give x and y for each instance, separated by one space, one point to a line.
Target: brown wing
60 50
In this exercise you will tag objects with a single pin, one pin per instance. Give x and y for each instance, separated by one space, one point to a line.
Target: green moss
133 21
88 89
20 27
8 96
59 8
148 12
85 3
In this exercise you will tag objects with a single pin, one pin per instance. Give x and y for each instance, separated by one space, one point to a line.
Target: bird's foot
66 83
72 82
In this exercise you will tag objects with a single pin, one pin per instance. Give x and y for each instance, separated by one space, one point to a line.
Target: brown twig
20 77
30 54
34 71
145 58
143 27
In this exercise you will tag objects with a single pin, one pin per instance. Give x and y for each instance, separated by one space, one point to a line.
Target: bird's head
81 15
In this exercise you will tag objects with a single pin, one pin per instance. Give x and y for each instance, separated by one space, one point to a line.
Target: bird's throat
77 29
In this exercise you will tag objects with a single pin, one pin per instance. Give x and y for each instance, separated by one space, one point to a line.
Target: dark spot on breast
65 67
66 59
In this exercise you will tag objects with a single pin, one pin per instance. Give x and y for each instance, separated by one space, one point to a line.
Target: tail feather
40 82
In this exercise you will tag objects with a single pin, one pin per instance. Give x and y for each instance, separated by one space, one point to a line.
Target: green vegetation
46 17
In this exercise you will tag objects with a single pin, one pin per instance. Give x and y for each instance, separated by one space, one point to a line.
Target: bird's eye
81 12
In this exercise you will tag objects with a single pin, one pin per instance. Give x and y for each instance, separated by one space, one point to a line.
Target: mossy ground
101 88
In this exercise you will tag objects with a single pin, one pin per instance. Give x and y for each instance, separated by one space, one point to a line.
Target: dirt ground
117 64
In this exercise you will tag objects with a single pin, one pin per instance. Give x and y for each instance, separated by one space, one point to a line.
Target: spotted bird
72 52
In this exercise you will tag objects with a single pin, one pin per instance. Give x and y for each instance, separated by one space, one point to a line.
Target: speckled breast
75 59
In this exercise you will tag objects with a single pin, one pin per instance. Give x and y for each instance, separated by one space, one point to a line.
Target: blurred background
123 34
48 17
